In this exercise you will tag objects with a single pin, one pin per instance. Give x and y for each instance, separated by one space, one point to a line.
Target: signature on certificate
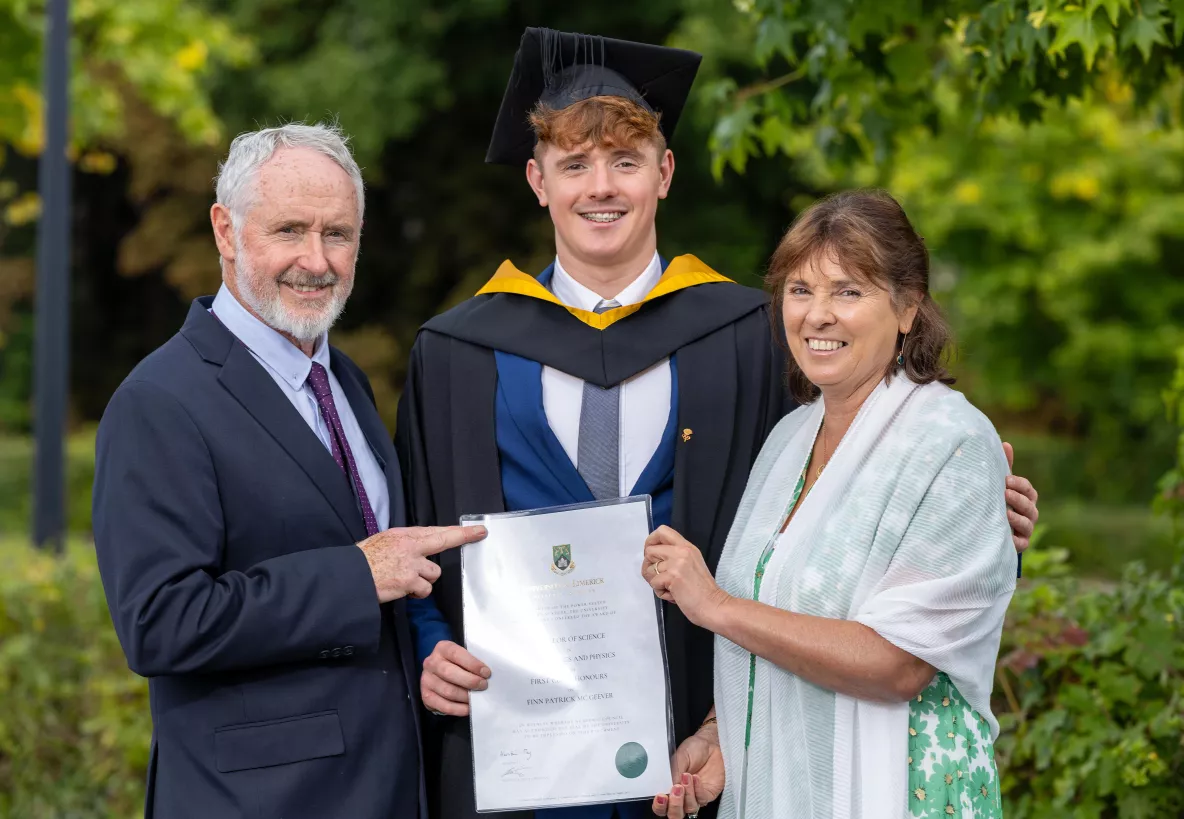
516 762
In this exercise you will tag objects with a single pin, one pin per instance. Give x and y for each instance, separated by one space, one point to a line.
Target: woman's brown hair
867 233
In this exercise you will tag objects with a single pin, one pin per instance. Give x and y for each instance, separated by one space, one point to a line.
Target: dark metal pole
51 355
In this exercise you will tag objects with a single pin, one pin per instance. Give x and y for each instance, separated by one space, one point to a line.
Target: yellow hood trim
682 272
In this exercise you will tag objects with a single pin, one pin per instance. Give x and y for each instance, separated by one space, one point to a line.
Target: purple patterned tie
318 379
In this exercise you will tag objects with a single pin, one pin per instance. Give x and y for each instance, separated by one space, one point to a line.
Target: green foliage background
1036 144
74 722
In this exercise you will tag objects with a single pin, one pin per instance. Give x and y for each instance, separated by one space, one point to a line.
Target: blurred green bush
1090 679
74 722
16 474
1101 540
1066 468
1090 697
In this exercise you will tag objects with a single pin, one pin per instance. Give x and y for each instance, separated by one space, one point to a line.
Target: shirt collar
573 294
278 354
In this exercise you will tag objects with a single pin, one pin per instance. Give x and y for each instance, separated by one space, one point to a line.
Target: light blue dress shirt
289 367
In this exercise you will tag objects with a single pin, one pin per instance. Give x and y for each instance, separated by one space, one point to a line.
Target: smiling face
603 200
842 331
600 167
292 260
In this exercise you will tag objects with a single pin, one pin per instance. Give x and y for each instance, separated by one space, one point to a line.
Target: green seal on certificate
632 760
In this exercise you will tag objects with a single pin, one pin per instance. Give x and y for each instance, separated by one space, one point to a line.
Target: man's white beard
272 311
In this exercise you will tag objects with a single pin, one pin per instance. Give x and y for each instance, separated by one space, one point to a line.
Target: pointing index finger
439 538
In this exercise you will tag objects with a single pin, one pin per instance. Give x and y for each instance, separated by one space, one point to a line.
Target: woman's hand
674 568
698 774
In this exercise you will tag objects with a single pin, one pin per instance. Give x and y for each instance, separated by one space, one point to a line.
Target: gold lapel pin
686 435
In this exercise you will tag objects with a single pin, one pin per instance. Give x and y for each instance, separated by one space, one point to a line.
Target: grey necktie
599 452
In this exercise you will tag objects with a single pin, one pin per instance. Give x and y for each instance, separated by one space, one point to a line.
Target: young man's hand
449 674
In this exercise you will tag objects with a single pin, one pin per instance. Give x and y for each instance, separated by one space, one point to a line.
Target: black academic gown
730 395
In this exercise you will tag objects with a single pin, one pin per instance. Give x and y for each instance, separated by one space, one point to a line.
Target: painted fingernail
661 801
695 779
677 790
686 779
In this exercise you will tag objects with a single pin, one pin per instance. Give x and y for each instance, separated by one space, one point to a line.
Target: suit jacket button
348 650
325 654
336 652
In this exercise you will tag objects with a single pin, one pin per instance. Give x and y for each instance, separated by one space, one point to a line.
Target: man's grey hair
235 184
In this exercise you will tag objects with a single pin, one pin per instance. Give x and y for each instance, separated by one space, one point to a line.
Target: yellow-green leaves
160 50
23 209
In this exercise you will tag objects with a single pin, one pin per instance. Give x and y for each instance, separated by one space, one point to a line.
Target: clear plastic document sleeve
577 710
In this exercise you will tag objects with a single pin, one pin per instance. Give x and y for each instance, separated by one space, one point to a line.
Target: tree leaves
159 51
1112 7
1143 33
1001 57
162 48
1083 28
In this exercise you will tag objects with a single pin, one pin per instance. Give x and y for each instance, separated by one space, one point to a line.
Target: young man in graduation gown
614 372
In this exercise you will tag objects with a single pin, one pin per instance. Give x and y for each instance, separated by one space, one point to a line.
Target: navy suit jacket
225 534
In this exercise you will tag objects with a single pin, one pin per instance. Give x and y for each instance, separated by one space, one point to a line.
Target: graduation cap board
559 69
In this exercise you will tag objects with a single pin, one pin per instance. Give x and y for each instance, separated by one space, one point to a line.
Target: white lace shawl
906 532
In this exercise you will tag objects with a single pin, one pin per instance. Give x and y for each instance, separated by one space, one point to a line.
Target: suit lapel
363 408
372 427
250 384
380 443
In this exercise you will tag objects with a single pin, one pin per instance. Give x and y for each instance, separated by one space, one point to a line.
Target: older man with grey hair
245 491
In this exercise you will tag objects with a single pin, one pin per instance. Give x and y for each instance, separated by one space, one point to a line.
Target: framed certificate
577 711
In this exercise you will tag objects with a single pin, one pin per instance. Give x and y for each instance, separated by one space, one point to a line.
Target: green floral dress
951 757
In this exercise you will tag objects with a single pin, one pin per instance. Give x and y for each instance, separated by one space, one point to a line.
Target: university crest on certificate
577 709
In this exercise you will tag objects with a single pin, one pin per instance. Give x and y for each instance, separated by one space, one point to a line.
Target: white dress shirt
289 367
645 398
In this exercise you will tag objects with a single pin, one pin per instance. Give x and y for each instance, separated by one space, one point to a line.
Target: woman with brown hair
859 601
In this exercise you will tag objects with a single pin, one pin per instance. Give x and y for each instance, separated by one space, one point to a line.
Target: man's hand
449 674
398 558
1021 497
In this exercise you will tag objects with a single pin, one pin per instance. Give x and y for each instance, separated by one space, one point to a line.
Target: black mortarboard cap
559 69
